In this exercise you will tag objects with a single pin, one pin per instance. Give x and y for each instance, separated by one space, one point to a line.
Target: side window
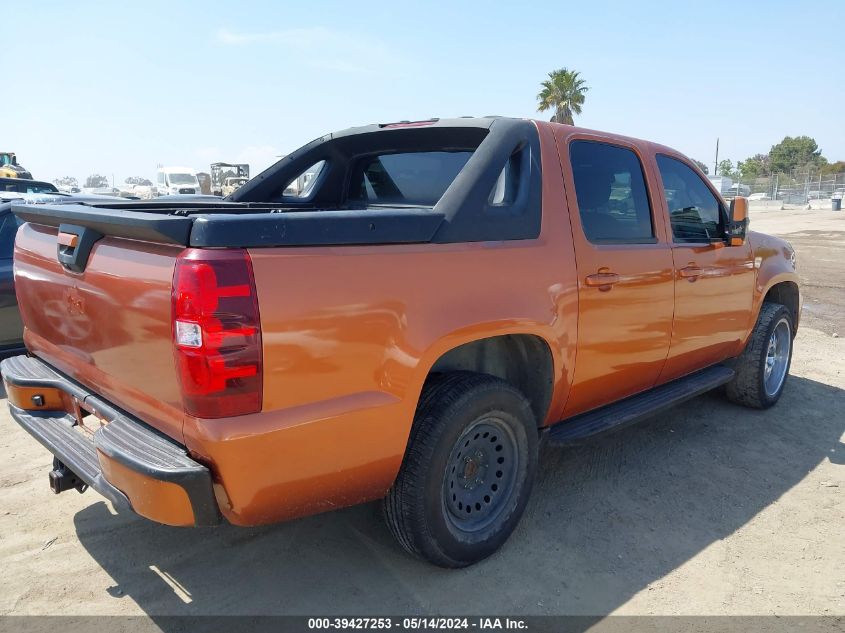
303 185
695 213
507 184
611 191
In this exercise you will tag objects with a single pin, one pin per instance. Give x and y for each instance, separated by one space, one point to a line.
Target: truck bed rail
219 226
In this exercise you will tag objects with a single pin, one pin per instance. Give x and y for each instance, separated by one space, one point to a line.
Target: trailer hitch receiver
63 478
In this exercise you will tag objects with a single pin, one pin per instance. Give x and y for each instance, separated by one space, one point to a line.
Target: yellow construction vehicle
9 167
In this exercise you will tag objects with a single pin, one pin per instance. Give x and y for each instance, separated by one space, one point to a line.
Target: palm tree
563 92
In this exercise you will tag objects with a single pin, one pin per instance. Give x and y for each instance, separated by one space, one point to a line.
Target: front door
714 283
624 266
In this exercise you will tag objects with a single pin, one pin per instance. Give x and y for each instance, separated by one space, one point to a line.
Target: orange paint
23 398
68 239
159 501
111 321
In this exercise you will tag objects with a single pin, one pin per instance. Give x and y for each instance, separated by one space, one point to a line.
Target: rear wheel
468 470
763 367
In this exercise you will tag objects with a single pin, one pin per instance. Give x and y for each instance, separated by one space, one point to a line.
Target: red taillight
217 333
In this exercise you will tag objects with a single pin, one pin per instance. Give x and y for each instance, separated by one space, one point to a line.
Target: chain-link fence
795 188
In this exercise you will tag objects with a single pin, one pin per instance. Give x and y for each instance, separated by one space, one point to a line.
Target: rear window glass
412 178
611 191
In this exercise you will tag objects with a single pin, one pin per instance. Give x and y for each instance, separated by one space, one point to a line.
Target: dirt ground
819 240
707 509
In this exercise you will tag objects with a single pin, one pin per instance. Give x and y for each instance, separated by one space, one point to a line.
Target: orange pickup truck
400 311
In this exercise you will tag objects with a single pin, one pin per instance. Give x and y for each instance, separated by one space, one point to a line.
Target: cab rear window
410 178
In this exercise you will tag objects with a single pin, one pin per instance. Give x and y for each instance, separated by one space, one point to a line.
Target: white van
176 180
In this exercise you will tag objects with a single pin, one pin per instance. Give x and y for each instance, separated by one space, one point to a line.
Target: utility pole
716 163
807 186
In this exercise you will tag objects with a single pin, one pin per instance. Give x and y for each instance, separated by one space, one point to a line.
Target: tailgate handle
73 246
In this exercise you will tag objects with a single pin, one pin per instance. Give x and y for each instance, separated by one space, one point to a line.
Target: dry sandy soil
707 509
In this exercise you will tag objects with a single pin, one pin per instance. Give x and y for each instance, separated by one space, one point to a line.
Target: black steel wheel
481 475
468 470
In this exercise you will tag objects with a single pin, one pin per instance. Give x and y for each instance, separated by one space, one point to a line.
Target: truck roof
480 122
259 214
574 129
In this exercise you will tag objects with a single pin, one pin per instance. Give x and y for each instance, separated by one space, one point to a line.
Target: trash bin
836 204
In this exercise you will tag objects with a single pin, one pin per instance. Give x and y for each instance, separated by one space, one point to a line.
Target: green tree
726 168
95 181
701 166
562 92
834 168
754 167
795 152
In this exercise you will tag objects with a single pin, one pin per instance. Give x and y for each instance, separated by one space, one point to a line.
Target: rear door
624 266
714 283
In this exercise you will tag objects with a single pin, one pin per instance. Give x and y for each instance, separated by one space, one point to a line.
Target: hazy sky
117 88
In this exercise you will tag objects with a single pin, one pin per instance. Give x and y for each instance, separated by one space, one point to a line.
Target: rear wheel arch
523 360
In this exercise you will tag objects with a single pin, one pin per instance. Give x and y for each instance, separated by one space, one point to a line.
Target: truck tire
762 368
467 472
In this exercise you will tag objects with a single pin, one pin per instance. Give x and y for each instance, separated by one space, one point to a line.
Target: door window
612 194
696 214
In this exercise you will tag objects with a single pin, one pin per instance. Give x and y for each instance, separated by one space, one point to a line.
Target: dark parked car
11 329
22 185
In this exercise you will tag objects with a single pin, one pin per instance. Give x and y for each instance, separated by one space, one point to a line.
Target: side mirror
738 225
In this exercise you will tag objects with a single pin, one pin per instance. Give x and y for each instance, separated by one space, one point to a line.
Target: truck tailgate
107 327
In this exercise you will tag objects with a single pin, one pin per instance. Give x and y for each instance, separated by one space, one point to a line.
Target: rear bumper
129 463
